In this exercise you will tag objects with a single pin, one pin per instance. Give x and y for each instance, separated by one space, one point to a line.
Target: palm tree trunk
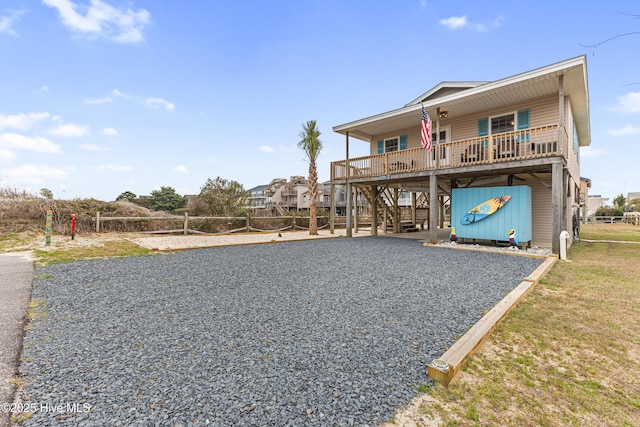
313 194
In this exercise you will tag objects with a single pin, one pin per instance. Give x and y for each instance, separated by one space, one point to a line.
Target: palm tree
312 147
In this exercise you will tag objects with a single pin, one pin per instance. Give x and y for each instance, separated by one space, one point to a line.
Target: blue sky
98 97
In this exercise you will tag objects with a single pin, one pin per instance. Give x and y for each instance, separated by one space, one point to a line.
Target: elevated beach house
505 157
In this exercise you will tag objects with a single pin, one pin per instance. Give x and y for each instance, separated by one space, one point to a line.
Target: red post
73 226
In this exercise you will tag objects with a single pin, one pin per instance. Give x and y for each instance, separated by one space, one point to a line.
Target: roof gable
443 89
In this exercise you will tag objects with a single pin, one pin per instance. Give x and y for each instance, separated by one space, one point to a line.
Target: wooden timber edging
449 364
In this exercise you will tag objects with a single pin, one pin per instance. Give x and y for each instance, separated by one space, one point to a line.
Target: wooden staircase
383 204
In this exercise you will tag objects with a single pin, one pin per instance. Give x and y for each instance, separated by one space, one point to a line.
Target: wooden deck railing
520 145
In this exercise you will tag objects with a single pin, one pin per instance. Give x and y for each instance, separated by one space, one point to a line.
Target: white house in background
593 203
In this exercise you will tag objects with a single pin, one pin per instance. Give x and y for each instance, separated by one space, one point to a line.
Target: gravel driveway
325 332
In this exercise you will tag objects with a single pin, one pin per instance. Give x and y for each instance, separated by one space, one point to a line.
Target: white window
391 145
502 124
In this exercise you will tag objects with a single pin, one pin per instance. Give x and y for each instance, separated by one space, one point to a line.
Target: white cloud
591 152
114 168
625 130
629 103
21 121
69 130
266 148
20 142
100 19
103 100
6 154
7 21
35 174
92 147
109 132
44 88
454 22
116 92
160 103
181 169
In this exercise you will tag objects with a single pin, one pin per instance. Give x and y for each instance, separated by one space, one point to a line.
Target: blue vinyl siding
516 214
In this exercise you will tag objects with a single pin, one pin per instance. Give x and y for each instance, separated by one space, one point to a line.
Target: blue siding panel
515 214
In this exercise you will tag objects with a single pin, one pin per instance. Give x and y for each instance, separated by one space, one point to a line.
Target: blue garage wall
515 214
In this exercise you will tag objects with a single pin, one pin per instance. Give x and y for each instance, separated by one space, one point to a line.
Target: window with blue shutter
483 127
523 119
483 130
403 142
523 123
380 147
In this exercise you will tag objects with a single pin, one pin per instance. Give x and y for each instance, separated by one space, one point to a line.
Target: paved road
16 274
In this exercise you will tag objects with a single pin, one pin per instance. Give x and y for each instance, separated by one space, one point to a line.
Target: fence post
293 222
97 222
248 222
48 229
186 223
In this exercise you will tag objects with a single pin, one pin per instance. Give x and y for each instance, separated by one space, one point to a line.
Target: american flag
425 134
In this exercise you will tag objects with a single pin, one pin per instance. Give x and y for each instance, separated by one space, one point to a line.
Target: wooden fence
296 223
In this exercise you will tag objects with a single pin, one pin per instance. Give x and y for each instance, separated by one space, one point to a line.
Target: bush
606 211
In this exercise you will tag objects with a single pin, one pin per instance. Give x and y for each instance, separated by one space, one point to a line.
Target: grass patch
618 231
111 248
11 242
569 354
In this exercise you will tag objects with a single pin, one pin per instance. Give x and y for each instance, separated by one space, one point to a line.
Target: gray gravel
326 332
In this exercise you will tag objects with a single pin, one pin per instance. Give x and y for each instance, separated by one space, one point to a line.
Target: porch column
374 210
557 197
396 212
413 208
433 208
349 209
348 173
355 204
332 209
562 140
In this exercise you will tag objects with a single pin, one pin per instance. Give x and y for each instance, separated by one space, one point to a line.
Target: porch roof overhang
522 87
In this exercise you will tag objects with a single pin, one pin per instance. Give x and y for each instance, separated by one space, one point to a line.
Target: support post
97 222
48 228
349 210
557 192
348 174
374 210
355 204
186 223
414 217
433 208
561 121
396 211
332 209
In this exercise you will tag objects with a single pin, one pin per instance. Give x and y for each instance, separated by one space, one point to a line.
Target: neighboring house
281 196
525 130
633 196
594 202
259 197
585 185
